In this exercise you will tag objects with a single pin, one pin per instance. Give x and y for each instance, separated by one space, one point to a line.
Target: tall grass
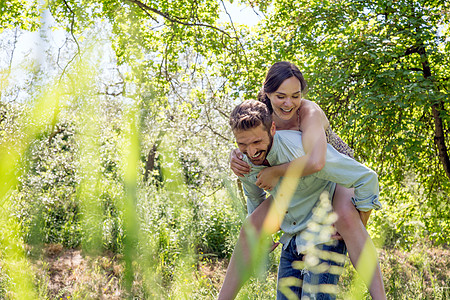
163 230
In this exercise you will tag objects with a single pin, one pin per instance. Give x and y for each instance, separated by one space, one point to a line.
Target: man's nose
251 150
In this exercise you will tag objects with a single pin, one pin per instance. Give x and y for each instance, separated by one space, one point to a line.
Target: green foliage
378 69
19 13
169 218
48 198
218 227
410 215
48 206
4 284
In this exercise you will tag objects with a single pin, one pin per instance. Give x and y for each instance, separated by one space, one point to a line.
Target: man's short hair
250 114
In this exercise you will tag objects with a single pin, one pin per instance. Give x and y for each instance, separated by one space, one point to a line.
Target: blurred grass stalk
130 154
366 268
12 149
90 188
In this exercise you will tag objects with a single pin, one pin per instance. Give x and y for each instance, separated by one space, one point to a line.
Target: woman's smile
287 110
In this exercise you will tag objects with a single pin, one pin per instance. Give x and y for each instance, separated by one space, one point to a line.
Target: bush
219 228
48 199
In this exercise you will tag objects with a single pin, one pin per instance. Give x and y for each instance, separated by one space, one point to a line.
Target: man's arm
349 173
253 194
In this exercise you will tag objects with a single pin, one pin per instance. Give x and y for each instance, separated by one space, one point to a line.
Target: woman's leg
354 233
240 263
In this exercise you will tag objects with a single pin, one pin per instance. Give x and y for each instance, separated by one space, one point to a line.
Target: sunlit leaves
19 13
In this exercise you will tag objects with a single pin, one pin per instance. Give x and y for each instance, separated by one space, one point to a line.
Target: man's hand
237 165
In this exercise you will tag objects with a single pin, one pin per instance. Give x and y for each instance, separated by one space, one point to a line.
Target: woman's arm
313 123
237 165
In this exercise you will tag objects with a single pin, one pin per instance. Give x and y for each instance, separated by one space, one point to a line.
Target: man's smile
257 154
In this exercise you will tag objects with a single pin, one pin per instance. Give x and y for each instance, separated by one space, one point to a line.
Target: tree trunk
150 163
439 136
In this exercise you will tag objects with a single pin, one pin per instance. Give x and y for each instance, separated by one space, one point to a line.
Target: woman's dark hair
277 74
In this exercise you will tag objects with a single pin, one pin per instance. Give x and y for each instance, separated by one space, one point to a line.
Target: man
294 203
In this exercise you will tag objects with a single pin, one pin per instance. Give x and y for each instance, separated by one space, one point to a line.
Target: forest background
115 142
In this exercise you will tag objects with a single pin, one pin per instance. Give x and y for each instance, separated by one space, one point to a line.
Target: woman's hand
268 178
237 165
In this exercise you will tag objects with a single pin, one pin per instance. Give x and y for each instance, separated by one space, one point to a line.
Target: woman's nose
288 101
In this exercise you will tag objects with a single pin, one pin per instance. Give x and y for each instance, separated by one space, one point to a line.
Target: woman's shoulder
310 106
310 110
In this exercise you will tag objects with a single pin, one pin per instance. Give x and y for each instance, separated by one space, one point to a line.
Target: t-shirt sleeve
255 195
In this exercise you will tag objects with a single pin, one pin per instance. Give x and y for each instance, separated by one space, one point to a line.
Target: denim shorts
295 281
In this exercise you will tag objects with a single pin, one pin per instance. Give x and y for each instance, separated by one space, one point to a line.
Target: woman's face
286 99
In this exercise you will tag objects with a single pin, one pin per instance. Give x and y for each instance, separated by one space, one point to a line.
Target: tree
379 69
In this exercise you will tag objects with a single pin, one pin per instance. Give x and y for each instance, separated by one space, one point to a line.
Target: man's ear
273 129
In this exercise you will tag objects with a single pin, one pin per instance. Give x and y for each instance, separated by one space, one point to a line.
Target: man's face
255 142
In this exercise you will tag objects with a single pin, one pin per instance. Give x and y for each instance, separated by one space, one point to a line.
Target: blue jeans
293 279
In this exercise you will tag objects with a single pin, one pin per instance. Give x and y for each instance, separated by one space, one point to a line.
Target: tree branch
208 125
72 22
54 133
3 80
217 133
174 19
12 52
439 137
239 41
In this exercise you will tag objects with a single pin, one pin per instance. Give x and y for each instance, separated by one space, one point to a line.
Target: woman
282 93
